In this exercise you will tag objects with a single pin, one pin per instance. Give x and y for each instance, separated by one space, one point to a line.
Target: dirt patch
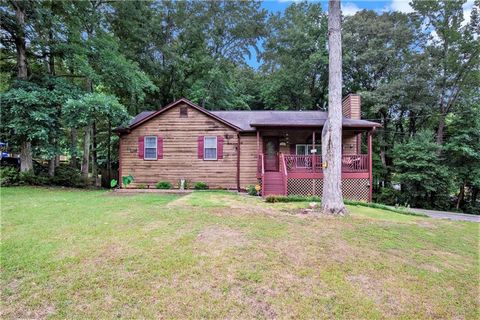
214 240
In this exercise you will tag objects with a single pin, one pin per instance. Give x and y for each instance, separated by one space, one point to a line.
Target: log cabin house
280 150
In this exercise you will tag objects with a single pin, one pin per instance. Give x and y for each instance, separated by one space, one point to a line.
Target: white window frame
205 148
145 148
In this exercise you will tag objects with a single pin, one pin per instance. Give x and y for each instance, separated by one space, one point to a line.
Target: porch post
370 165
258 143
314 165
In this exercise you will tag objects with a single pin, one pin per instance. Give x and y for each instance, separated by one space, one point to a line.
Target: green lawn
94 254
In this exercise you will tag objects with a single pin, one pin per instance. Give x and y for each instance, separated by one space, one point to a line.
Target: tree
295 68
16 29
89 109
452 51
418 168
332 200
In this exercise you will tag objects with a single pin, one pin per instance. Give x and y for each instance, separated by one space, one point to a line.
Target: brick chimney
351 106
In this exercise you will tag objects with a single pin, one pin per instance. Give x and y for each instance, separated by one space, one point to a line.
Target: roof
249 120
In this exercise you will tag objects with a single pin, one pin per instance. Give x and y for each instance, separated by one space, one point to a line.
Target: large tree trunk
86 152
26 161
332 200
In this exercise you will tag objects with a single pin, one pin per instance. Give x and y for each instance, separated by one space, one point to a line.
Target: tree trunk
461 196
86 152
440 129
332 200
22 74
51 167
26 161
94 151
73 148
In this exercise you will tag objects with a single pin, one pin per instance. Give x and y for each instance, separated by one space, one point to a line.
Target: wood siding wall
180 155
349 139
248 160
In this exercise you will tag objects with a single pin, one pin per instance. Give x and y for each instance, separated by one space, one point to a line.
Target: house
280 150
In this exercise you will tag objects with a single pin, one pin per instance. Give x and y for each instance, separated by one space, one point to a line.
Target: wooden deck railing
313 164
261 169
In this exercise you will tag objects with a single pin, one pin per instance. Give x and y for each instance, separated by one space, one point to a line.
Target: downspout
238 162
120 161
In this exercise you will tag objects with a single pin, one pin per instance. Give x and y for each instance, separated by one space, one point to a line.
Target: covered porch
290 161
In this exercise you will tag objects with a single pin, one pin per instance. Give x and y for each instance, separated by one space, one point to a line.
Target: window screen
151 148
210 148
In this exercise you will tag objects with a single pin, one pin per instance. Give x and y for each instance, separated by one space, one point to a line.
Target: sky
350 7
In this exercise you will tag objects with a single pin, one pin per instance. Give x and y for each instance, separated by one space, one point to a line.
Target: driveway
449 215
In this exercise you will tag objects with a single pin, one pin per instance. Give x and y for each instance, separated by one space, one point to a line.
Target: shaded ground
449 215
87 254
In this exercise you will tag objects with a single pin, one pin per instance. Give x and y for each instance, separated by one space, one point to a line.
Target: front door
270 150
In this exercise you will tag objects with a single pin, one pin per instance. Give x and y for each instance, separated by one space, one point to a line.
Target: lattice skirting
353 189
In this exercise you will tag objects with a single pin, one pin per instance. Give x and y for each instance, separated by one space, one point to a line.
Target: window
303 149
150 148
210 148
183 112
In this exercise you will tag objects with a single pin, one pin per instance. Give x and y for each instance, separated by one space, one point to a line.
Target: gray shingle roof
248 120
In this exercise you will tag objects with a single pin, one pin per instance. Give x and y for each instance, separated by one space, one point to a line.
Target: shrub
163 185
30 178
201 186
67 176
9 176
251 190
291 198
143 186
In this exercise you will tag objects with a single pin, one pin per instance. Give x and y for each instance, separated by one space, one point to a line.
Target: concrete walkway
448 215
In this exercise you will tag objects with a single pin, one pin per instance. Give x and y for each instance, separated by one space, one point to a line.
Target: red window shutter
293 150
200 147
141 147
219 147
159 147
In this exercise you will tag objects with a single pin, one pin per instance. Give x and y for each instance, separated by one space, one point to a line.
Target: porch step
273 183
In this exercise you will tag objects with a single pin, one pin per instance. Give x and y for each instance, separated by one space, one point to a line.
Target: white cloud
400 5
349 9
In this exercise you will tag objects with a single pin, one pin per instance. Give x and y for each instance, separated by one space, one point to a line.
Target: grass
92 254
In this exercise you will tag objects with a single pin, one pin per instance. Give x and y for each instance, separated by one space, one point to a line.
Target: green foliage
9 176
200 186
32 179
142 186
67 176
163 185
423 178
251 190
113 183
126 180
291 198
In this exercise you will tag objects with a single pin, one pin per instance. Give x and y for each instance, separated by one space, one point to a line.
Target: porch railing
261 169
283 171
313 163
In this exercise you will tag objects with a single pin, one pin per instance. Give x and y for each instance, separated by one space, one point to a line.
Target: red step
273 184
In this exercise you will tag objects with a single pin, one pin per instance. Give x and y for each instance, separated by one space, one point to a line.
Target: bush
291 198
201 186
251 190
163 185
67 176
143 186
9 176
30 178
